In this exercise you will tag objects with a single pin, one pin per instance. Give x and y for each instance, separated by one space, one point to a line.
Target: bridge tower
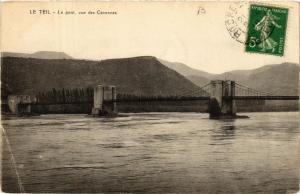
222 104
20 104
104 101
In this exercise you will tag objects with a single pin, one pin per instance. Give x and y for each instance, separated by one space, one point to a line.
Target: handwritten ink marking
201 11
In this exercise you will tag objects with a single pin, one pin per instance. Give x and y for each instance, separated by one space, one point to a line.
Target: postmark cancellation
262 31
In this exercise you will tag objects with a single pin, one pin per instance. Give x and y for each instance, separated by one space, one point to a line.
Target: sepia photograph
150 97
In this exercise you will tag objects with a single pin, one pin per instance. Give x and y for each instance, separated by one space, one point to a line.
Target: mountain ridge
38 55
278 79
138 75
281 79
185 69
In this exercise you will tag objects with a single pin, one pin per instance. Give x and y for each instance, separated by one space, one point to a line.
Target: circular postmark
236 22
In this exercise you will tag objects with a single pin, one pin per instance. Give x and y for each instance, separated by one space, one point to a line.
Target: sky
170 31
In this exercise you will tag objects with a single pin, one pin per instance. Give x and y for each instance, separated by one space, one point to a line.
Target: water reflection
228 131
224 130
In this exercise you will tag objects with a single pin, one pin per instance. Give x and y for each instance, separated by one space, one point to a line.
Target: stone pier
221 103
104 101
20 104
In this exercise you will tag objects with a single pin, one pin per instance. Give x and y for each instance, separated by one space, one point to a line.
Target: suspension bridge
220 94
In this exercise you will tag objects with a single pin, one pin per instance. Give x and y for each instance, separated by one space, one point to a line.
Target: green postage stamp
266 29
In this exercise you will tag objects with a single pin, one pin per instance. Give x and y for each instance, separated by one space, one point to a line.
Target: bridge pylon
222 104
104 101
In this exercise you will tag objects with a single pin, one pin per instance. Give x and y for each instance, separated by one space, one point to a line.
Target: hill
39 55
138 75
184 69
278 79
198 80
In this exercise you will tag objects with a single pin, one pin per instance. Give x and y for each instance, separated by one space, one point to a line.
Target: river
152 152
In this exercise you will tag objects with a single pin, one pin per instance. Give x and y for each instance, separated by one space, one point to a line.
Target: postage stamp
266 29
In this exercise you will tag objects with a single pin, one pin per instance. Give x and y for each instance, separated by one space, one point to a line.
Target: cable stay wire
249 90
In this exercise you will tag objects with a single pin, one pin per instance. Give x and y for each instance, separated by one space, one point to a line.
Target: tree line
66 96
135 97
86 95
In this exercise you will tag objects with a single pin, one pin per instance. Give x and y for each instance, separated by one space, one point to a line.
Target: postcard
150 97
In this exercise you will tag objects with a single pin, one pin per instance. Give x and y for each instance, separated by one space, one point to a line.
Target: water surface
153 152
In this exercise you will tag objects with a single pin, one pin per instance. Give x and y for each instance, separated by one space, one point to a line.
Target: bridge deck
163 99
178 99
264 97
